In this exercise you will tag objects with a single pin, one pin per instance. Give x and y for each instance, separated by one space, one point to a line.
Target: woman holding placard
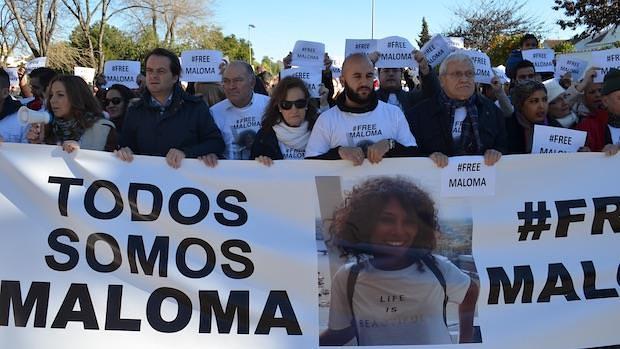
286 125
78 121
531 107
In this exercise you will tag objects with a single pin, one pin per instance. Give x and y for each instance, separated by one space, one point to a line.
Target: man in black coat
458 121
390 89
168 122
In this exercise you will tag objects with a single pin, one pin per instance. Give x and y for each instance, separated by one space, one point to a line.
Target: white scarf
292 137
568 121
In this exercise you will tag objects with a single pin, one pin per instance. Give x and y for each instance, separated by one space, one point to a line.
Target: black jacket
408 99
430 124
516 135
266 144
186 124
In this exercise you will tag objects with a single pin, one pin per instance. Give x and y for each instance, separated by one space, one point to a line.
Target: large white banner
100 253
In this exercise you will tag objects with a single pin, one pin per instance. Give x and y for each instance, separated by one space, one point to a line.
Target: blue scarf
470 135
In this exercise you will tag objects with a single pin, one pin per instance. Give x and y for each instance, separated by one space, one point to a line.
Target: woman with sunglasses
286 124
78 121
116 102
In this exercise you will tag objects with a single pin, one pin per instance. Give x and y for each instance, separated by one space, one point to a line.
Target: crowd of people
366 114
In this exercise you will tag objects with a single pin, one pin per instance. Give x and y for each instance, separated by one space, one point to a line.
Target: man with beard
458 121
390 88
360 126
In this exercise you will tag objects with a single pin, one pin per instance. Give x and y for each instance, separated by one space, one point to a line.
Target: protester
116 102
559 113
11 129
527 42
389 225
587 95
390 87
603 126
531 107
77 119
458 121
40 79
360 126
286 124
241 110
166 121
523 71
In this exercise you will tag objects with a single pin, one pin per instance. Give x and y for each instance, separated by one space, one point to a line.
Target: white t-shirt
291 153
397 307
336 128
457 127
239 125
615 134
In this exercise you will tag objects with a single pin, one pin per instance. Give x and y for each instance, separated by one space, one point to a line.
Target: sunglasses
115 101
299 104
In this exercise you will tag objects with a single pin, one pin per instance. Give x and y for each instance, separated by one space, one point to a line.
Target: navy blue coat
186 124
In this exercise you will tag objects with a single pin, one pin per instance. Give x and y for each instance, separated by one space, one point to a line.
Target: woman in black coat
286 125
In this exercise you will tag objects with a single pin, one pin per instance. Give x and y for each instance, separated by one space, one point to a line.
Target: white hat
554 89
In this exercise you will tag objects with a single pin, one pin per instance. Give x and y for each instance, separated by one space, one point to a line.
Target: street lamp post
372 21
250 26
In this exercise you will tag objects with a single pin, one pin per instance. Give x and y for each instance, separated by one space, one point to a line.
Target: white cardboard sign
395 52
567 64
541 58
201 66
35 63
467 176
310 75
122 72
482 66
548 139
308 54
457 43
88 74
365 46
436 50
605 60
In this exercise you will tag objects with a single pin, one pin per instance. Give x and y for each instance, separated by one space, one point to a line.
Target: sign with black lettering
308 54
395 52
457 43
310 75
13 76
483 72
605 59
103 254
201 66
121 72
549 139
365 46
436 50
541 58
569 64
467 176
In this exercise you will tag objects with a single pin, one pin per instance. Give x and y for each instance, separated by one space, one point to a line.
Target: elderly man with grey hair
458 121
239 115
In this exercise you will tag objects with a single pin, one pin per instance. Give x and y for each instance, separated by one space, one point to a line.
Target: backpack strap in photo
351 280
430 263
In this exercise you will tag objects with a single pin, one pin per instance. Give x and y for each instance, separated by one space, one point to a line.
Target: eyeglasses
299 104
460 74
115 101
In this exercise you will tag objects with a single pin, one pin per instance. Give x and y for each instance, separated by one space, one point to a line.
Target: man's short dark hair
175 65
527 37
5 81
524 64
45 75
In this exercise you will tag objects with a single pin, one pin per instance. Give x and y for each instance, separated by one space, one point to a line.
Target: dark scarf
470 135
372 98
71 129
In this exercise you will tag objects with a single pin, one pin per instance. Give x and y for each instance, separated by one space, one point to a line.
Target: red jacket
596 126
